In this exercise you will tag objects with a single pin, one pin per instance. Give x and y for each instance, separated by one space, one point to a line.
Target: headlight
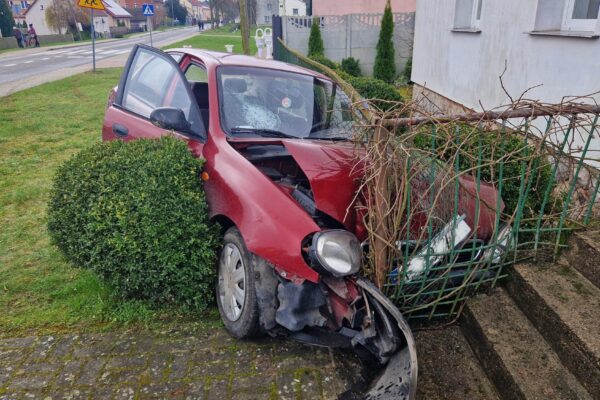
338 251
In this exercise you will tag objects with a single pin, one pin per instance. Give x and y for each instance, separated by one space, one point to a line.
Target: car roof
222 58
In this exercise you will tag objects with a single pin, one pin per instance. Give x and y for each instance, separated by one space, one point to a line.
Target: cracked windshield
263 102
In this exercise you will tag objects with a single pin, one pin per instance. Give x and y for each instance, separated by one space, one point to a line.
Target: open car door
154 99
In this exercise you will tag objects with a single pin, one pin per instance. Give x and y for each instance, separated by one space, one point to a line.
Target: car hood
333 169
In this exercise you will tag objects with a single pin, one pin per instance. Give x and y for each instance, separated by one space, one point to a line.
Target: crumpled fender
399 379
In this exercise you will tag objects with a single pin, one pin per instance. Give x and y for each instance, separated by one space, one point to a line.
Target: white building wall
465 67
37 16
286 7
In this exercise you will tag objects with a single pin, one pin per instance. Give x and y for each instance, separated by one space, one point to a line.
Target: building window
581 15
269 6
467 15
267 19
477 13
294 11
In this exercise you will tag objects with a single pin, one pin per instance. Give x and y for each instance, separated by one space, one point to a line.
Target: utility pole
172 14
244 27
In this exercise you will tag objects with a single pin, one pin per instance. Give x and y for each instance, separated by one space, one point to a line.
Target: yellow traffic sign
95 4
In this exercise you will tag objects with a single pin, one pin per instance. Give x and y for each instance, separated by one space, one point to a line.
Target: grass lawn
216 39
39 291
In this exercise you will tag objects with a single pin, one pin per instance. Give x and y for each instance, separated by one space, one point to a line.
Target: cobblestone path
169 366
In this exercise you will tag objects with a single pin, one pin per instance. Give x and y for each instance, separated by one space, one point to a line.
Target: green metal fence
435 185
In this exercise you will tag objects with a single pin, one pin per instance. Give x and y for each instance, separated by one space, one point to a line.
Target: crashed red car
280 180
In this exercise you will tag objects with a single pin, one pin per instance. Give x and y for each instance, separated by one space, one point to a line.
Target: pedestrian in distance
33 39
18 35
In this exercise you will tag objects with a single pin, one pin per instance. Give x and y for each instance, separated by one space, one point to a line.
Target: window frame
467 16
579 25
170 58
476 14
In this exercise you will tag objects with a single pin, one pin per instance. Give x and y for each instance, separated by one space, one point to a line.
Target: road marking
27 62
123 51
109 51
45 58
72 57
9 65
75 52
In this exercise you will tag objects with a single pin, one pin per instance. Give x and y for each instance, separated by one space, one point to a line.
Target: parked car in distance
279 178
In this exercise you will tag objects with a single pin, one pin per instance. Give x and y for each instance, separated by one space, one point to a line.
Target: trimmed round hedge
136 214
382 95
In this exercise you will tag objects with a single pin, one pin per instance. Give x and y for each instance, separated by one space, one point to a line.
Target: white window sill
466 30
573 34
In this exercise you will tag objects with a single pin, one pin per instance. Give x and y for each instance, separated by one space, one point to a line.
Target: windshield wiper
263 132
333 138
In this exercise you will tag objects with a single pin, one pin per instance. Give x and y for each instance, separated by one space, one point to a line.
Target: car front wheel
236 294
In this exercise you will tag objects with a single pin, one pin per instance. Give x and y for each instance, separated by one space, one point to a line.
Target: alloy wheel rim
232 282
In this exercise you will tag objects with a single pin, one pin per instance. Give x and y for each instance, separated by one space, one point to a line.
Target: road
27 68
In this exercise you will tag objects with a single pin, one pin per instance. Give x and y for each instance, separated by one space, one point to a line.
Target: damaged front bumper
399 378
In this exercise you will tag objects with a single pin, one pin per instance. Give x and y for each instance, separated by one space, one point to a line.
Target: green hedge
351 66
371 88
135 213
513 151
321 59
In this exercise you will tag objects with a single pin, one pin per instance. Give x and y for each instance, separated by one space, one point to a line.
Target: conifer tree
315 42
385 66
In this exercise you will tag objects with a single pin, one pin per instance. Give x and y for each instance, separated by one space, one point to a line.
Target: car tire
235 289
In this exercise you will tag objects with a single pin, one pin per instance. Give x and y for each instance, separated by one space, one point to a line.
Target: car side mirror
170 118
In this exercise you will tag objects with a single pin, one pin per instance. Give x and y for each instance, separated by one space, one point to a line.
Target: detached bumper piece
399 378
353 314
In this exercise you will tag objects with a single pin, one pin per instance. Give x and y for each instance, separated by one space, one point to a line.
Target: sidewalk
36 50
110 62
208 365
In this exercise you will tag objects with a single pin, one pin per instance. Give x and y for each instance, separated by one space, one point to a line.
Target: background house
18 6
138 20
113 16
337 7
461 48
265 9
292 8
197 9
35 14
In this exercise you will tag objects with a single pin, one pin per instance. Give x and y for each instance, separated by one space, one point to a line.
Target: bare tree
61 14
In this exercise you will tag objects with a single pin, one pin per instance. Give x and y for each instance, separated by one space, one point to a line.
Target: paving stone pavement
210 365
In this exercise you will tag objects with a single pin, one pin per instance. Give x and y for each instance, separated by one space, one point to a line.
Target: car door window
198 79
154 81
196 73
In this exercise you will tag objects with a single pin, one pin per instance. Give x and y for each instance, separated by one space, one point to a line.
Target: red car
280 181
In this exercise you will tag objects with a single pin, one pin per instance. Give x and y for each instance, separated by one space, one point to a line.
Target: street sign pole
148 11
98 5
93 40
149 22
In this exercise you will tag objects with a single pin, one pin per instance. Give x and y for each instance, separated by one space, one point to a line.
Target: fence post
277 34
348 21
379 242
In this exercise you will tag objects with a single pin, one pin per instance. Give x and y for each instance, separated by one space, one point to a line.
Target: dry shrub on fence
419 173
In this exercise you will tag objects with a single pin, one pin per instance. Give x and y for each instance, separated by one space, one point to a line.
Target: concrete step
565 308
448 368
514 354
584 254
